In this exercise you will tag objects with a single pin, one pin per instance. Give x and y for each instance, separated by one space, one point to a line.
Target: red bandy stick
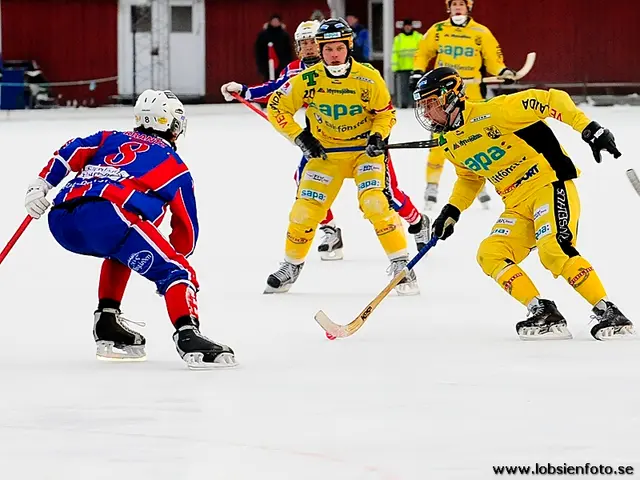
23 226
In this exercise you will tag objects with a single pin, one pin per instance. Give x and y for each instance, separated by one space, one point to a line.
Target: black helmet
437 94
335 30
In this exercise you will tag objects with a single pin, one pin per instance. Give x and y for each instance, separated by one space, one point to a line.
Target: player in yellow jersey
348 105
505 140
463 44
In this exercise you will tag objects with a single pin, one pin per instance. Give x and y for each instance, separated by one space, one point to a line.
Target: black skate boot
421 231
409 284
545 323
331 246
430 196
484 198
114 340
198 352
282 280
612 324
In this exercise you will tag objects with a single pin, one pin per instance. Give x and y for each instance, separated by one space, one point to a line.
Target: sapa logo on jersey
456 52
367 184
317 177
543 231
141 262
338 110
313 195
369 167
482 160
501 231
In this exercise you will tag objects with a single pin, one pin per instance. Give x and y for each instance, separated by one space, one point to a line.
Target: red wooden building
193 46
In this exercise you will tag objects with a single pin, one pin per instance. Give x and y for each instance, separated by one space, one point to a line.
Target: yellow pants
548 221
436 158
320 182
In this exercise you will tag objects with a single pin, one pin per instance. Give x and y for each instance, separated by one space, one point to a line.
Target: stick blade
333 329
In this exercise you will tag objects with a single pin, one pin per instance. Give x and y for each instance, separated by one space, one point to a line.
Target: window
140 18
181 19
375 29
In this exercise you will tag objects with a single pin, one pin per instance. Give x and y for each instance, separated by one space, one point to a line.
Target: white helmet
306 30
160 111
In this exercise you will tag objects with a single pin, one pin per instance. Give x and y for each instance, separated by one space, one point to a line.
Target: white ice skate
409 285
331 246
282 280
421 232
430 196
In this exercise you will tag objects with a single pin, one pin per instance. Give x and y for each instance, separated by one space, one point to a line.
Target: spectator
317 15
275 33
404 48
361 45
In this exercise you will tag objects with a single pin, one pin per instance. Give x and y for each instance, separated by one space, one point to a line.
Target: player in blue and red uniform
309 54
112 209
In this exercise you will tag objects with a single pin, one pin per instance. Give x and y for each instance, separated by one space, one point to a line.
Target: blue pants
99 228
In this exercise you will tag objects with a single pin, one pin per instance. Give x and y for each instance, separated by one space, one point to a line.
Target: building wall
573 41
70 40
232 28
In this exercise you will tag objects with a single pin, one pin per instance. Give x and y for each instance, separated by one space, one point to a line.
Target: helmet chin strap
459 20
338 70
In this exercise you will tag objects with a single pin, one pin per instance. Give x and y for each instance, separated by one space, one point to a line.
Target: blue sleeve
184 218
72 157
261 92
364 42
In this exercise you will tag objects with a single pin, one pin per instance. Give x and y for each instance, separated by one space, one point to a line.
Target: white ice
432 387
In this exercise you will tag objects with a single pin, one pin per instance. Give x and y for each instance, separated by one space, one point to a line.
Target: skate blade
107 352
626 332
332 256
224 360
407 289
533 334
428 206
269 289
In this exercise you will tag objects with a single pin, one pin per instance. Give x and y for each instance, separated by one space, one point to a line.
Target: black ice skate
545 323
198 352
409 284
612 324
430 196
484 198
421 232
331 246
114 340
282 280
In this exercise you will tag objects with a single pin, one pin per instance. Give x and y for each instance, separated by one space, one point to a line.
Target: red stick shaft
250 105
23 226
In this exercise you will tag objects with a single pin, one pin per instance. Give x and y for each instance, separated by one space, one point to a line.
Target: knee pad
375 205
308 213
493 256
554 257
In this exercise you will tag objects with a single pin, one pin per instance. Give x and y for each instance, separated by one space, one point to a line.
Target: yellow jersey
465 48
505 140
340 111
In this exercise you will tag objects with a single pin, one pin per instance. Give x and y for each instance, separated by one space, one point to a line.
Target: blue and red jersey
142 174
260 93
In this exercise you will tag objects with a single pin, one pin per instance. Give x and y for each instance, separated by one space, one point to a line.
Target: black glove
310 146
508 75
599 139
375 145
443 225
415 77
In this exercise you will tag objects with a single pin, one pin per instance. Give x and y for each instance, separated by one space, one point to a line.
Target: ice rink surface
432 387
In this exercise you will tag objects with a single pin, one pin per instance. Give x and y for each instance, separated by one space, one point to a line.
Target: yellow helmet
468 2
